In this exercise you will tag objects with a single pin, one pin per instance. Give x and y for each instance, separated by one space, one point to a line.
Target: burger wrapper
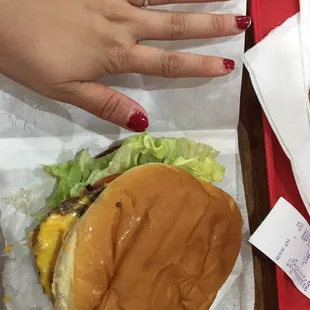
36 131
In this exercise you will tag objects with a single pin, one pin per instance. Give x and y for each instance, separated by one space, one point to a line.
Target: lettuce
197 158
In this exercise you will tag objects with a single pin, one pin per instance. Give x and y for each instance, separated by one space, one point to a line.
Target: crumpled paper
36 131
276 67
17 217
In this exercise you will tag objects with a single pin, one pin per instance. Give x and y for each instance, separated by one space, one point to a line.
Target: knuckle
108 105
209 65
172 64
119 59
138 3
115 13
177 25
218 23
115 62
62 91
206 62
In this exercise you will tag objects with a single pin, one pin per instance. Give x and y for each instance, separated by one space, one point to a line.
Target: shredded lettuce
197 158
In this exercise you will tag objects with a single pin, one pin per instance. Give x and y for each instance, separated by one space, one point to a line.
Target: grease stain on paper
8 248
21 200
7 298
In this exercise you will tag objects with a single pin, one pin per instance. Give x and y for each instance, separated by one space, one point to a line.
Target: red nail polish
243 22
229 64
138 121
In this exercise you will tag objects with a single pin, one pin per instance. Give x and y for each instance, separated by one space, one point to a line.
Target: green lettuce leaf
199 159
75 171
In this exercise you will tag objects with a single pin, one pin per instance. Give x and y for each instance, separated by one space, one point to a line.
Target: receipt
284 237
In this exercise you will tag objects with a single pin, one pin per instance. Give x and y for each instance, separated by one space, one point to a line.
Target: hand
61 48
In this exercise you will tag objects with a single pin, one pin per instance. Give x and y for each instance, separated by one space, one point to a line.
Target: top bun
157 238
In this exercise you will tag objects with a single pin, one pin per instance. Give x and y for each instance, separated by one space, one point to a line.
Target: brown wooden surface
251 145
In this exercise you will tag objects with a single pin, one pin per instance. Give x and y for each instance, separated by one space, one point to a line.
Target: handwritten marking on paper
7 94
6 122
24 125
287 245
7 89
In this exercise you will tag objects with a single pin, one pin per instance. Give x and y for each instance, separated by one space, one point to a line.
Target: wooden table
252 152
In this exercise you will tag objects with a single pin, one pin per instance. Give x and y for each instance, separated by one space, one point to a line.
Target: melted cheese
7 299
8 249
49 241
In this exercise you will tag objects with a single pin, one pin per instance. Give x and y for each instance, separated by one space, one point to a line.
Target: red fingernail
243 22
229 64
138 121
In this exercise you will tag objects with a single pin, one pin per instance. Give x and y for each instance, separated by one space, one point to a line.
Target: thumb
106 103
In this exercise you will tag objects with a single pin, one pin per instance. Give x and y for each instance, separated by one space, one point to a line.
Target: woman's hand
60 48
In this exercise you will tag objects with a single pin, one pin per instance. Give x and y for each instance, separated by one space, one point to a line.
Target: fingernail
138 121
229 64
243 22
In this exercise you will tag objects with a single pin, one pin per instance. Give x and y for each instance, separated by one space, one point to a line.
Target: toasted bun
157 238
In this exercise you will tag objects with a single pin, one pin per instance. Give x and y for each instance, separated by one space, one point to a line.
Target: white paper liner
35 130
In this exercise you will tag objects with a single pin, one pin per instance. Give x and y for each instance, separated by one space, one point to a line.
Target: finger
105 103
158 62
160 2
164 25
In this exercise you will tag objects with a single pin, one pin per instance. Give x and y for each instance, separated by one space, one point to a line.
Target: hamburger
153 233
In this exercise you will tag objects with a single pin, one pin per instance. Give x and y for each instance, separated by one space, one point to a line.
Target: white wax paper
305 43
277 73
36 131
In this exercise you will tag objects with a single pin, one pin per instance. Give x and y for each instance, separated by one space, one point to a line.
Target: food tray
267 15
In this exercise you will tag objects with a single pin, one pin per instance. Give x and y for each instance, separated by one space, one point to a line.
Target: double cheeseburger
154 237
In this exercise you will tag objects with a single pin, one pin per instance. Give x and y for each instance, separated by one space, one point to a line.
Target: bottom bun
157 238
